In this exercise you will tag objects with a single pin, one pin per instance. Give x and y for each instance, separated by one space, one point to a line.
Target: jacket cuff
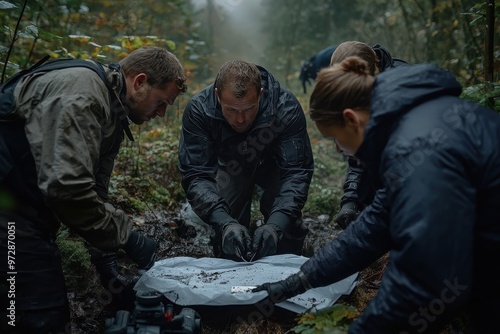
280 220
304 280
218 218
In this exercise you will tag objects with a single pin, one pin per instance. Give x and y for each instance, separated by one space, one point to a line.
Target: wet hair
160 65
238 76
347 84
355 48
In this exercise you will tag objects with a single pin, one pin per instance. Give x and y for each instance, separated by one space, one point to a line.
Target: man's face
146 102
240 113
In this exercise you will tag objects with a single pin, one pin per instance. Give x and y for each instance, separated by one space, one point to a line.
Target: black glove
119 285
265 240
106 265
267 237
287 288
348 212
236 240
231 238
141 250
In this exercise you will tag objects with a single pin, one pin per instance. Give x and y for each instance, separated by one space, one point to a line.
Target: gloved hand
265 240
106 265
236 240
287 288
141 250
231 238
267 237
119 285
348 212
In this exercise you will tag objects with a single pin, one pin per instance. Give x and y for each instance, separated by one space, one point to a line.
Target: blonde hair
355 48
347 84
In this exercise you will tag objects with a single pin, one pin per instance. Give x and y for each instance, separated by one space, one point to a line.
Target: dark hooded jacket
311 67
438 161
279 133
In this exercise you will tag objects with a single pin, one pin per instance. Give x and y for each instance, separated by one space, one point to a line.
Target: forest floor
177 235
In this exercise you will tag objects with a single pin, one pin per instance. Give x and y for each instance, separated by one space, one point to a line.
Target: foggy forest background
277 34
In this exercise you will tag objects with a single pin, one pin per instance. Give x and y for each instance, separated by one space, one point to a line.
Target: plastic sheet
207 281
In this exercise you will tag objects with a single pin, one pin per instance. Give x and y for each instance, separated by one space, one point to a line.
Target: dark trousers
239 189
32 288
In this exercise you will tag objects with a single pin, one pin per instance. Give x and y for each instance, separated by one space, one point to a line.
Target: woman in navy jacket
437 159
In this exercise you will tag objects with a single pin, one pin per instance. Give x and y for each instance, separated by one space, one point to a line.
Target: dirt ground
182 235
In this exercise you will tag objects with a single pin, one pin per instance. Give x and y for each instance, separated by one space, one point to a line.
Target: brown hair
347 84
355 48
238 76
160 65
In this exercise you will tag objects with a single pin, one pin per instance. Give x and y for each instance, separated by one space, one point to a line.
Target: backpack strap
7 100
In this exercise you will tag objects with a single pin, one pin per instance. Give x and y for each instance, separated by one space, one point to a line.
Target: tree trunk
489 41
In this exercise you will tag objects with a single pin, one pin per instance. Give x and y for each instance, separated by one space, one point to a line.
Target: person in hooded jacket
359 189
246 134
437 160
310 68
57 150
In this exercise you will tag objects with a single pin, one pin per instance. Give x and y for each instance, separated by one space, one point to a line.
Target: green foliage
335 320
325 192
486 94
105 30
146 175
477 13
76 263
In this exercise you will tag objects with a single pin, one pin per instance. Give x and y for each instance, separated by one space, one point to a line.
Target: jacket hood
397 91
384 57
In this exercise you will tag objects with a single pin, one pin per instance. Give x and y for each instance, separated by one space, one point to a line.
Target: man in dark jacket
246 132
311 67
57 150
437 159
359 188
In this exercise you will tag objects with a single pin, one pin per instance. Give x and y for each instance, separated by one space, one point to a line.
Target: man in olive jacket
57 148
243 131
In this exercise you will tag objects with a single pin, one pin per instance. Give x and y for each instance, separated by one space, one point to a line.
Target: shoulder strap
7 100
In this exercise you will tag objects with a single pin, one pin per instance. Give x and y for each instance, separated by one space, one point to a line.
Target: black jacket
279 133
358 186
438 161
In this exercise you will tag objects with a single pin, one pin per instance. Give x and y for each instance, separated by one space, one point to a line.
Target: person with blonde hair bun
437 162
359 189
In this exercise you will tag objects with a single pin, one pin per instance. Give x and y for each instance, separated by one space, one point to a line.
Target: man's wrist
220 218
350 206
278 220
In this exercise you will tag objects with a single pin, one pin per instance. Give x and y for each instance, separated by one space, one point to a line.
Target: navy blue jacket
279 133
437 158
311 67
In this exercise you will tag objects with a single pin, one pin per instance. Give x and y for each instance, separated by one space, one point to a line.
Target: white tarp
208 281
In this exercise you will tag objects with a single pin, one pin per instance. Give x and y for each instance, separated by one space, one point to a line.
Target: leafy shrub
335 319
486 94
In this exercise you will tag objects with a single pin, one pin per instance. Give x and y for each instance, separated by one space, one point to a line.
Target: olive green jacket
74 136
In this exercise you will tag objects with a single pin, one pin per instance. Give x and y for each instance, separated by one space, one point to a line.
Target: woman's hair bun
356 65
